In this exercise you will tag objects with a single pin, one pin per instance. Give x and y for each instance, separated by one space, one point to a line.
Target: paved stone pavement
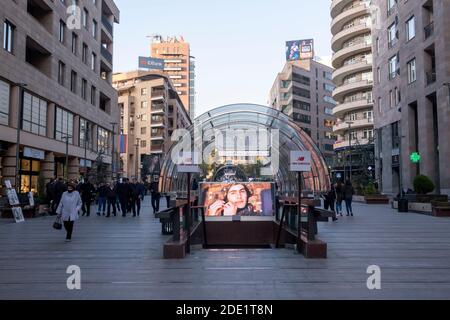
121 258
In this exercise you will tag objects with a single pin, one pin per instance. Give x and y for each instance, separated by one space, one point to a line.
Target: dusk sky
238 45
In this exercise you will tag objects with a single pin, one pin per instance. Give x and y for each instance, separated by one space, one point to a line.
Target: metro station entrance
243 193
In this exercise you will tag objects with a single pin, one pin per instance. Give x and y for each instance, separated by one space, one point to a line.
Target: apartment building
150 111
302 90
179 66
57 103
353 77
411 93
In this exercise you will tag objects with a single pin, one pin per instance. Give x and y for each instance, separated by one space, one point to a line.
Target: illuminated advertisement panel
238 199
299 49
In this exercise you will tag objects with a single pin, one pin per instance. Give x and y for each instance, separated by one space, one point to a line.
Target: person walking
330 198
155 196
58 189
68 208
50 195
102 195
111 198
137 195
348 197
339 197
123 193
87 190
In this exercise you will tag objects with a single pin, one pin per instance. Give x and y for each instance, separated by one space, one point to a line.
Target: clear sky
238 44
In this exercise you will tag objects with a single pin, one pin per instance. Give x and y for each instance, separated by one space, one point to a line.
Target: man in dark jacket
58 189
102 198
123 193
155 196
87 191
50 194
111 198
348 197
137 194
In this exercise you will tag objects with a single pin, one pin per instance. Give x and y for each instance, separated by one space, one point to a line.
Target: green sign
415 157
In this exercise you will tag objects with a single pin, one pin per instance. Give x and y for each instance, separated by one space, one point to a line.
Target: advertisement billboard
299 49
238 199
151 63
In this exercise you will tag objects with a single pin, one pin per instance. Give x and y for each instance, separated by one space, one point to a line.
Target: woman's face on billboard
237 195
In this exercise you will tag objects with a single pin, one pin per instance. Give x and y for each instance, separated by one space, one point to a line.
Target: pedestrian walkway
121 258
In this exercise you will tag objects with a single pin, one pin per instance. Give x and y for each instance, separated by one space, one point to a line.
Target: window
61 72
367 134
392 35
145 118
4 102
86 134
391 99
64 125
74 43
93 61
328 87
328 75
84 89
143 144
301 92
62 31
144 130
378 75
102 140
390 6
94 29
85 18
34 115
302 117
328 111
73 82
93 95
329 100
144 104
393 67
301 79
302 105
398 97
368 115
143 91
410 29
412 76
8 36
353 117
84 53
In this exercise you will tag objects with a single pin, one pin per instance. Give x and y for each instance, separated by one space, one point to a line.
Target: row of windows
74 83
394 69
34 120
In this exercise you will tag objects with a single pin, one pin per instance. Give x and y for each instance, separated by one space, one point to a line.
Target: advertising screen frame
295 49
259 217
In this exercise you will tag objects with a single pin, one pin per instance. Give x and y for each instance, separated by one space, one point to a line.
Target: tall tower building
302 90
178 66
352 59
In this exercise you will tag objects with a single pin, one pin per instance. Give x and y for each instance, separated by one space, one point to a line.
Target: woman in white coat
68 209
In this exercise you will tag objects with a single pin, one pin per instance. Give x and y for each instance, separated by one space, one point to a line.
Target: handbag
57 224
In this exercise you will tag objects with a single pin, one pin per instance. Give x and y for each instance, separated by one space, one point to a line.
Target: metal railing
429 30
431 77
108 26
106 54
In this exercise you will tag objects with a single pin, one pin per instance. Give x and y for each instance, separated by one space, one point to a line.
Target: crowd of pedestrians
123 196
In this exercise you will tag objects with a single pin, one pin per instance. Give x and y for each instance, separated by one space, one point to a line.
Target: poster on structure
18 215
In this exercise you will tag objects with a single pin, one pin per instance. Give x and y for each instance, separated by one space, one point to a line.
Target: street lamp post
137 157
350 146
66 171
113 158
19 111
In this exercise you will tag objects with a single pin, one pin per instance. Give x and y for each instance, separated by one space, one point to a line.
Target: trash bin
402 205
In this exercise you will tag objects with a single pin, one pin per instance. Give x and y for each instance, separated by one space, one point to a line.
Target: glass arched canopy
248 133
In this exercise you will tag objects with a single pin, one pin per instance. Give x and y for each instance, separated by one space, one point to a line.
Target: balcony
392 43
429 30
345 144
431 77
157 124
346 88
158 95
106 54
108 26
156 149
359 46
347 106
357 124
157 137
358 66
157 109
337 6
345 35
349 14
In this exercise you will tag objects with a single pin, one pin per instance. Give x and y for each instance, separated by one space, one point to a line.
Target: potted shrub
423 184
372 196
